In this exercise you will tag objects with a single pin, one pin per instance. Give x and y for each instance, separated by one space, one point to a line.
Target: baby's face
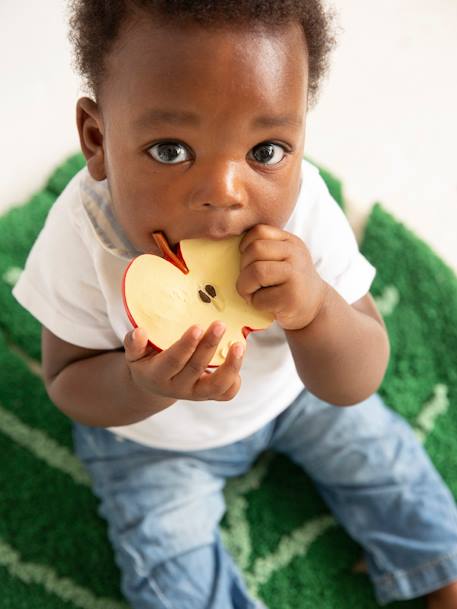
201 131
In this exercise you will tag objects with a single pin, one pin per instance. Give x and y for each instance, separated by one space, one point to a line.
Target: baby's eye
169 153
268 153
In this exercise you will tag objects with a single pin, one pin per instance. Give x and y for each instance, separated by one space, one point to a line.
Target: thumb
134 344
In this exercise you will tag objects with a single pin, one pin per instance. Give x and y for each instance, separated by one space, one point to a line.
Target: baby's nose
220 187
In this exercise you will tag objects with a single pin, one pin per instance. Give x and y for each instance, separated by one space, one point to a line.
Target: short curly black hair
95 24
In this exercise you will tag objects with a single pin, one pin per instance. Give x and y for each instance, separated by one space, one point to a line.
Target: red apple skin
176 260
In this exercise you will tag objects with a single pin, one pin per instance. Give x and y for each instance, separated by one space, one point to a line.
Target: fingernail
238 350
219 330
137 333
197 333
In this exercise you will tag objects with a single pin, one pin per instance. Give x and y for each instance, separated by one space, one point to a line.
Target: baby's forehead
212 60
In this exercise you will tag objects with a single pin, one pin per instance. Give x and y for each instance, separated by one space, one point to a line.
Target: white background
385 122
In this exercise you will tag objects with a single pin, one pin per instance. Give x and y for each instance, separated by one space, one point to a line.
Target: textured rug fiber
54 549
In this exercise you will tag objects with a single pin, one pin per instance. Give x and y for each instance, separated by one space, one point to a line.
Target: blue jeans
164 507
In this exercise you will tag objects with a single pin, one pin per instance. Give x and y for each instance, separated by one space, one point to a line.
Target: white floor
385 123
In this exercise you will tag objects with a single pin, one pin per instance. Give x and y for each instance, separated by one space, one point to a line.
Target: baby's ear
90 128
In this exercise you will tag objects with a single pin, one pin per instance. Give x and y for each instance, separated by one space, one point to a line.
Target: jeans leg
382 487
163 510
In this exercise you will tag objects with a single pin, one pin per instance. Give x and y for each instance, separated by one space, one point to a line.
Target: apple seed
211 290
204 296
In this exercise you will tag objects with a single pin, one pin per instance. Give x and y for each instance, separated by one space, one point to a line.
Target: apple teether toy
166 296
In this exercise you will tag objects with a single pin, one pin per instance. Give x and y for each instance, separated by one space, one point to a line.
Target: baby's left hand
277 275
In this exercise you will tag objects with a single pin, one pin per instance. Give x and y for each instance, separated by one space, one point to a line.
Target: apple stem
167 252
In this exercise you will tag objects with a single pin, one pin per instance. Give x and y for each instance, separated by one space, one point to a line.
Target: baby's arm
94 387
125 386
342 355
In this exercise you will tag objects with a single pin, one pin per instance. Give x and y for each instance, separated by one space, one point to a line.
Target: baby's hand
179 372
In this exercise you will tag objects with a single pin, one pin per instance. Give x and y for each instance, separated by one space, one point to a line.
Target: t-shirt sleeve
59 286
333 246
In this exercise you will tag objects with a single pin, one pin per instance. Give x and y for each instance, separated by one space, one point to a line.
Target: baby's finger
231 392
216 385
171 361
135 345
199 361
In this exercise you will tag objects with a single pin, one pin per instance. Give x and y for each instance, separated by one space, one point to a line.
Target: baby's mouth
173 244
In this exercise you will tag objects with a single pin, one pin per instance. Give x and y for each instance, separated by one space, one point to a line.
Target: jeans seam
160 595
388 580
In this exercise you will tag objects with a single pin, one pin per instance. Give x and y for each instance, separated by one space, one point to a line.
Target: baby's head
198 109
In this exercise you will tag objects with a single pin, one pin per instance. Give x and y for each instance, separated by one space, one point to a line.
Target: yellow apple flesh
166 296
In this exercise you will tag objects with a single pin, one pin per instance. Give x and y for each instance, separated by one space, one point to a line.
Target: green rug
54 550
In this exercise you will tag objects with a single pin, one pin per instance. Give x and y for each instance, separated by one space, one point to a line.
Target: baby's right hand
179 372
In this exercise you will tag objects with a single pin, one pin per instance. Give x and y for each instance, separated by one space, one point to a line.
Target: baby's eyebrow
158 116
278 121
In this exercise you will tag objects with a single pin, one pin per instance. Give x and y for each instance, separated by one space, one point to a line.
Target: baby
195 126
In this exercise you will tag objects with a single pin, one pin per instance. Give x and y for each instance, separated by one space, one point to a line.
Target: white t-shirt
72 284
